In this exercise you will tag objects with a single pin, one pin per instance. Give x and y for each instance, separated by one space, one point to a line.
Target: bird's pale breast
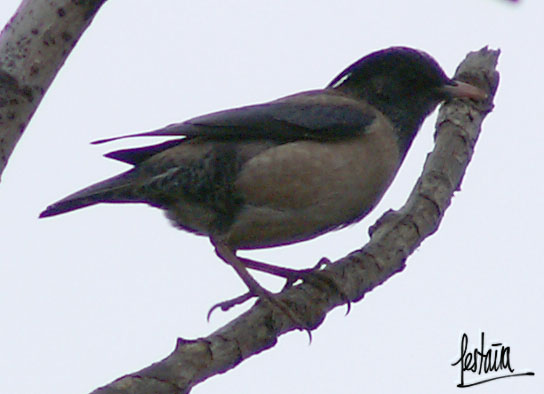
299 190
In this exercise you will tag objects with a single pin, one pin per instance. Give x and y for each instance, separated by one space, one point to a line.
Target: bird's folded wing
317 116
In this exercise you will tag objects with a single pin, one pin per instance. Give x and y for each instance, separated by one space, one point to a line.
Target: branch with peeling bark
393 238
33 47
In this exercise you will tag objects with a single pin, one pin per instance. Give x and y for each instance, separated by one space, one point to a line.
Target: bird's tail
116 189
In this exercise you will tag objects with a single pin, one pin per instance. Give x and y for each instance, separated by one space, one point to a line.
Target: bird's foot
313 276
255 289
228 304
274 304
307 275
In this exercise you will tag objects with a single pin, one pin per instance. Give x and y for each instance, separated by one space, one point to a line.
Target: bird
287 170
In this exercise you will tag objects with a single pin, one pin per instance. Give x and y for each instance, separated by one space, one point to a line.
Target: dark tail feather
116 189
67 206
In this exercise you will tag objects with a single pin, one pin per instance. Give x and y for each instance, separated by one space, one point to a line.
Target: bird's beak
463 90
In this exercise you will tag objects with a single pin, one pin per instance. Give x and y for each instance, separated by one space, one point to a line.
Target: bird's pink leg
255 289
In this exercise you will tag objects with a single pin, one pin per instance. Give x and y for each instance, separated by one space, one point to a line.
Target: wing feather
317 115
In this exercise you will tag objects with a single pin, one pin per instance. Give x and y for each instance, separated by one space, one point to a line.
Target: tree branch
33 47
393 238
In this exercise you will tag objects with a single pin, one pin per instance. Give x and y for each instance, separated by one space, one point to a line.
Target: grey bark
33 47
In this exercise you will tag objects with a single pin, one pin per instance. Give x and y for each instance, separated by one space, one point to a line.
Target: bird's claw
315 277
273 303
228 304
304 274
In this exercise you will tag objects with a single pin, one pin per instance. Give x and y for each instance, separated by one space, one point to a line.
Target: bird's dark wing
315 115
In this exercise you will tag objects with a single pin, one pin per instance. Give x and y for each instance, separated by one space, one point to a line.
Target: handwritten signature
484 361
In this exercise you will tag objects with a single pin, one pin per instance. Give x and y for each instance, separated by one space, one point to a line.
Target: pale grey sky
89 296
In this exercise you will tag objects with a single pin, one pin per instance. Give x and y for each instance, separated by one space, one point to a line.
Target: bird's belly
300 190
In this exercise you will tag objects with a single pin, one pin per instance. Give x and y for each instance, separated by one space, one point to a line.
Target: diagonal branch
33 47
393 238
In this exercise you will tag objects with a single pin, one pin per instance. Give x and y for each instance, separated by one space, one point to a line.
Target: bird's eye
379 87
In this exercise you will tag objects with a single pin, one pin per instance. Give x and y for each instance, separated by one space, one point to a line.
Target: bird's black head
403 83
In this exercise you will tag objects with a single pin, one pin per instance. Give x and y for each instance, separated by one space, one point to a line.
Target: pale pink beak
462 89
